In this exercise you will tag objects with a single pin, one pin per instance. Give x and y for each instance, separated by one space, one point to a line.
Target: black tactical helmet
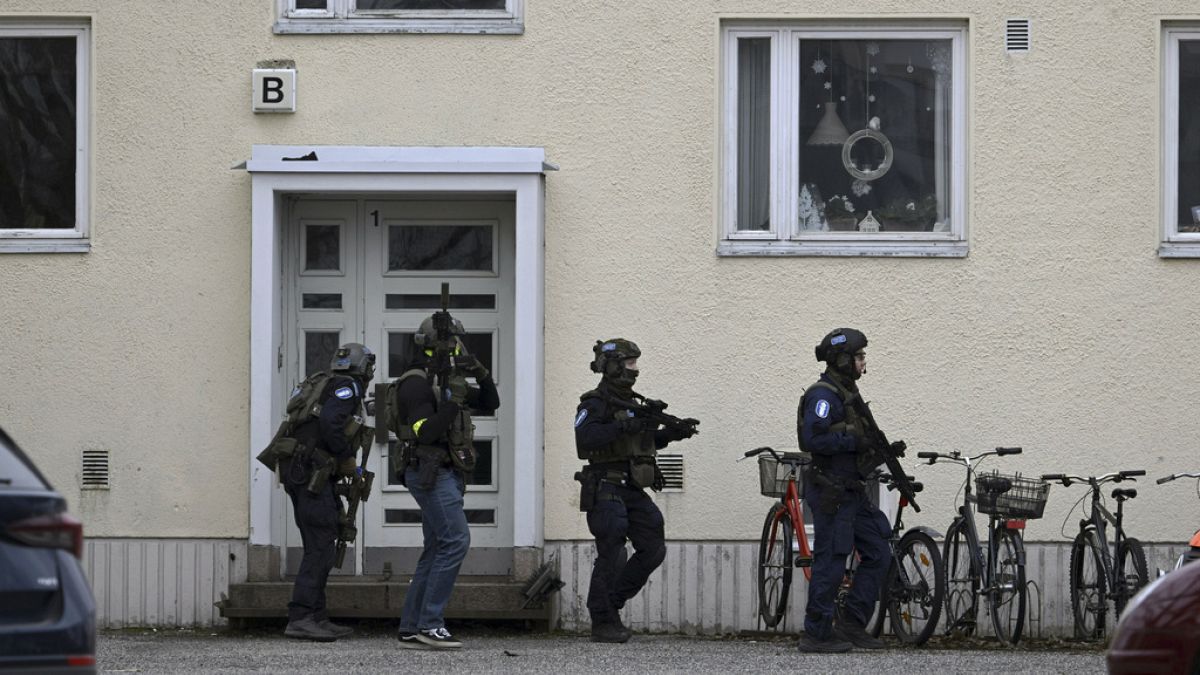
838 349
354 359
426 335
611 354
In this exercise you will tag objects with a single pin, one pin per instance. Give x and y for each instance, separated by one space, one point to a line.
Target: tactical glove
347 466
472 366
678 433
898 448
457 389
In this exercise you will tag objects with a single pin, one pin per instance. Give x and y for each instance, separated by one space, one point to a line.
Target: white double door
369 270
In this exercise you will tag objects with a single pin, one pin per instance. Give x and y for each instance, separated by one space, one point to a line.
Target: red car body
1160 631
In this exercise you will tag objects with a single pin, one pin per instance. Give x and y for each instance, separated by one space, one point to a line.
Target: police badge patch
822 409
344 393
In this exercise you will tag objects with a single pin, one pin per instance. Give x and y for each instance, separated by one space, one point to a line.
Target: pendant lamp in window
830 130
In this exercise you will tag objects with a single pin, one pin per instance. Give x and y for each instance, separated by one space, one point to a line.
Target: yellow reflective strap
428 352
417 425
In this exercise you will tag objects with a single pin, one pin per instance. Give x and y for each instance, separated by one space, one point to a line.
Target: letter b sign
274 90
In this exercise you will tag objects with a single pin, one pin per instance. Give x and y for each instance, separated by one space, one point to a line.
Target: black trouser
317 519
622 513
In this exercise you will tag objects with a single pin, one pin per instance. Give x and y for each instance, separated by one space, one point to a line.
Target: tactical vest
626 446
459 438
852 421
305 406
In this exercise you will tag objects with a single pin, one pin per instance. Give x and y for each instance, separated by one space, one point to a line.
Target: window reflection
440 247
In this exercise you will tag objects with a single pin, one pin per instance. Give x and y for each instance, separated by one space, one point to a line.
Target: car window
16 471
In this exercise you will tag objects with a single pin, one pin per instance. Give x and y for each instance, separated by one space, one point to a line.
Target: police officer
620 448
843 517
327 442
432 420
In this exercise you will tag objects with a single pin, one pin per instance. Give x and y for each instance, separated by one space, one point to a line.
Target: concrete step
359 597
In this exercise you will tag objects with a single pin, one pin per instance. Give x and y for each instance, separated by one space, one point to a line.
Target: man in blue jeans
432 420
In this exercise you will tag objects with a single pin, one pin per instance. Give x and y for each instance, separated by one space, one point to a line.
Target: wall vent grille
1016 36
95 469
672 470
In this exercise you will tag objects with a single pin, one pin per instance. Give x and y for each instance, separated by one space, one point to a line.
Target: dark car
47 614
1160 630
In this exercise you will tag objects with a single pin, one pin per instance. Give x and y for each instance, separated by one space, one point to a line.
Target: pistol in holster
322 466
589 482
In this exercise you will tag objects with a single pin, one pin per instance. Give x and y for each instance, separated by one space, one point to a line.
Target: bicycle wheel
914 588
1131 569
1089 601
774 565
962 581
1008 591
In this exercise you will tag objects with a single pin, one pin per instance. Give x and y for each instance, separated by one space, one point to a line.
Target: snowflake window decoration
873 48
818 66
860 187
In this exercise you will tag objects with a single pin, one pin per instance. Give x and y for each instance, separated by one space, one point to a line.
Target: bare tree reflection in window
319 347
37 132
440 247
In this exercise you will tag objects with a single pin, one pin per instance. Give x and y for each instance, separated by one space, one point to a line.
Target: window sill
507 26
957 249
1175 249
47 245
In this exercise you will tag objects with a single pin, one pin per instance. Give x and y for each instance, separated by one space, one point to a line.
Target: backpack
304 405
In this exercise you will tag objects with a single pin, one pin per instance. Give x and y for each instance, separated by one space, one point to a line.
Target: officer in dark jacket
434 426
620 448
844 519
329 446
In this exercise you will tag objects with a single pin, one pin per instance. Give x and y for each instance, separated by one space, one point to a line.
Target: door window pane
413 516
322 301
440 247
429 4
434 302
1188 207
874 135
754 134
322 247
37 132
311 4
319 347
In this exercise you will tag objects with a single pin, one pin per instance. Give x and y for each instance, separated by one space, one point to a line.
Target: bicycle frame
1098 519
792 504
983 567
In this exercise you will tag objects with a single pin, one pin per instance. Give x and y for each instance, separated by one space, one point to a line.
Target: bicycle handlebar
1168 479
927 455
1008 451
759 451
1115 476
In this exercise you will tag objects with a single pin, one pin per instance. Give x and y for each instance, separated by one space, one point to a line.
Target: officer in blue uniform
620 449
844 519
308 480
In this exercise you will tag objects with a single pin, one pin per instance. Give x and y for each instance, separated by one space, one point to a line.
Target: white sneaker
438 638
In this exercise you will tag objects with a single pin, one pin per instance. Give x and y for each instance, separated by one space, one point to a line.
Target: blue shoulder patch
822 409
344 393
581 417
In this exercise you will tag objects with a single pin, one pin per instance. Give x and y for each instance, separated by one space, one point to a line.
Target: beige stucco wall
1062 331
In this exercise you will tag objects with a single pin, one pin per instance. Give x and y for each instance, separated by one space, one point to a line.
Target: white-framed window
1181 143
400 16
45 68
843 139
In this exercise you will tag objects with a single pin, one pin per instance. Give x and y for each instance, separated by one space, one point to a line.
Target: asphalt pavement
487 649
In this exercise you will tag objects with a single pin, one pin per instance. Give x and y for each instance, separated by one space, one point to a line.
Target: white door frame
389 170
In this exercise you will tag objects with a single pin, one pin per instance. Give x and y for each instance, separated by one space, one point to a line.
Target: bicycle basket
773 474
1025 500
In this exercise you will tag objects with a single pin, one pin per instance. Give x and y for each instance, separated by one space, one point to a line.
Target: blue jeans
447 539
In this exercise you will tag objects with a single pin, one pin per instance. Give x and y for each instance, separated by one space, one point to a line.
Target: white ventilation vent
672 471
95 469
1016 36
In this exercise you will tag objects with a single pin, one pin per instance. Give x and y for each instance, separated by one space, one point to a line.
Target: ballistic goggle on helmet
354 359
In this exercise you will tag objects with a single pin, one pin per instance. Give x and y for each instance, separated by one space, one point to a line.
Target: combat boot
857 635
830 645
308 629
607 631
619 624
335 628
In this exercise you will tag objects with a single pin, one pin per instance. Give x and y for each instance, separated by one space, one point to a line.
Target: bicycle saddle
996 484
1121 493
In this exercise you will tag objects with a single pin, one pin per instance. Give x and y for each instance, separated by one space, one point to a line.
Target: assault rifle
652 410
356 489
881 451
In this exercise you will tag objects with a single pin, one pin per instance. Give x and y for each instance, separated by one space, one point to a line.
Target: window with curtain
1181 208
400 16
844 140
43 135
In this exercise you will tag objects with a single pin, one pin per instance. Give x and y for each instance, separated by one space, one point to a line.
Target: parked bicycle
912 590
1095 576
997 574
1193 552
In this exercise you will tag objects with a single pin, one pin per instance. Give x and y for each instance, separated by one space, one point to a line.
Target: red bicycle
784 544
